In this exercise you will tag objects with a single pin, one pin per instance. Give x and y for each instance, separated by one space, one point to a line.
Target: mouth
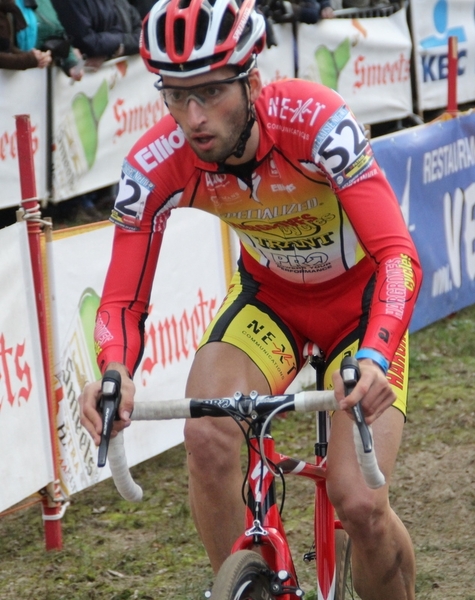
202 141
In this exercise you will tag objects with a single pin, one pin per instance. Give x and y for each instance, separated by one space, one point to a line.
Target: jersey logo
134 189
303 111
256 181
399 285
216 180
342 149
159 150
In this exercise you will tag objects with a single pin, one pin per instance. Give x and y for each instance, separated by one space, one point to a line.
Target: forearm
121 340
376 217
119 332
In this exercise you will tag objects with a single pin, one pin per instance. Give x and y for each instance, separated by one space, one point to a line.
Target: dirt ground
434 494
114 550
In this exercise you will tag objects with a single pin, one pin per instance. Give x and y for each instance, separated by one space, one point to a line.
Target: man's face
212 114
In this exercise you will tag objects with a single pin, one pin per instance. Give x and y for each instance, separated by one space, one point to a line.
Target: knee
364 514
212 445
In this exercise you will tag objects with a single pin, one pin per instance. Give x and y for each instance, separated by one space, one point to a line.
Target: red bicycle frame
263 524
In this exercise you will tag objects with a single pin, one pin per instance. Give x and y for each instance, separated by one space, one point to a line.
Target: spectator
368 3
11 57
101 30
285 11
326 10
311 11
143 6
302 11
131 25
26 38
356 3
47 33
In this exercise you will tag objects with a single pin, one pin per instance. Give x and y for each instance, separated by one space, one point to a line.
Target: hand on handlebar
89 400
372 391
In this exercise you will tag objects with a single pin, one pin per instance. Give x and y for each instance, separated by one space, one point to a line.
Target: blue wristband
375 356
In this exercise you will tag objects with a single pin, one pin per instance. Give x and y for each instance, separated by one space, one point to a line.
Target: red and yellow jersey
314 204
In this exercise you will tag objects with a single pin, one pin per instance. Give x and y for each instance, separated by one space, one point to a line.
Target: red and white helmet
182 38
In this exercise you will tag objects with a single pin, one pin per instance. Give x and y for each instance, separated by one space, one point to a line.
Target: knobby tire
244 575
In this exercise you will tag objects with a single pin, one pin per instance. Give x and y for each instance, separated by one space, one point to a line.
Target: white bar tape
311 401
367 460
161 410
124 483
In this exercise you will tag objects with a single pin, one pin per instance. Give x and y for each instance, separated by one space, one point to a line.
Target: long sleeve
119 332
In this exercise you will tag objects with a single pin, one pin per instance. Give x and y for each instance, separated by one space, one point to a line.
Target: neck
251 148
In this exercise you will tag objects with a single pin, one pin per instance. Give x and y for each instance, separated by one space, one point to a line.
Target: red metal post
51 507
452 106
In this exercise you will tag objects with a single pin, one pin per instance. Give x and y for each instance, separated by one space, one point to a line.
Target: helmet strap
246 134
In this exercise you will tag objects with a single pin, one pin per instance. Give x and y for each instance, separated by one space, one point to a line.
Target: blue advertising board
432 171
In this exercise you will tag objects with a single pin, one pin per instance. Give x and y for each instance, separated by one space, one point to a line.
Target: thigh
257 333
219 370
345 482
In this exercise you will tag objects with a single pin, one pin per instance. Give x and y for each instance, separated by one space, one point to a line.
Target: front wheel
244 575
344 581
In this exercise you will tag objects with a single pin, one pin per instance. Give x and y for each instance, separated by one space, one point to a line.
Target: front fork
264 528
263 525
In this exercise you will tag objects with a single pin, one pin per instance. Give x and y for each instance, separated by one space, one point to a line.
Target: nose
195 113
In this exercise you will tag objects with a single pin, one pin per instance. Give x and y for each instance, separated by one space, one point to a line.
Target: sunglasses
207 95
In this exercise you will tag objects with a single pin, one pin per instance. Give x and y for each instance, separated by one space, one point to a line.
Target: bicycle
271 573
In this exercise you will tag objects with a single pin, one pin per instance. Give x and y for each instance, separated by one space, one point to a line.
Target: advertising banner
22 93
26 464
279 62
97 120
367 61
188 291
432 23
432 170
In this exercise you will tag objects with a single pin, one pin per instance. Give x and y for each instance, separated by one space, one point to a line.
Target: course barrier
432 170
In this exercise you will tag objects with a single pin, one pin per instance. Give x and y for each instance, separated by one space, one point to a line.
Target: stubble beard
225 143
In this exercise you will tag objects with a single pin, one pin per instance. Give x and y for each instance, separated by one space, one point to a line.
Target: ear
255 85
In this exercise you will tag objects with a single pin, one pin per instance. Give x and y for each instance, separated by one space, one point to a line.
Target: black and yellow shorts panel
397 375
249 324
265 323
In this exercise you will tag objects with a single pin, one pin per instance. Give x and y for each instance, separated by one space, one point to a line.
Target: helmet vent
190 37
161 33
227 23
201 29
179 35
145 38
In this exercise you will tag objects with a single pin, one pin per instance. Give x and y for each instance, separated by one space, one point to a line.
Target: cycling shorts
271 320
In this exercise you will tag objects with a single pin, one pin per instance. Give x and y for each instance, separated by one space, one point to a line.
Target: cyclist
325 256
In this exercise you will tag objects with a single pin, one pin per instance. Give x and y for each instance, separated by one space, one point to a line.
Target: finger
377 402
127 401
93 426
89 416
124 414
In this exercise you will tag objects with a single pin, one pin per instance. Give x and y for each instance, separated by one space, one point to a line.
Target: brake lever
350 373
109 409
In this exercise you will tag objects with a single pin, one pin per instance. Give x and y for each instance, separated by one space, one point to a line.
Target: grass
115 550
